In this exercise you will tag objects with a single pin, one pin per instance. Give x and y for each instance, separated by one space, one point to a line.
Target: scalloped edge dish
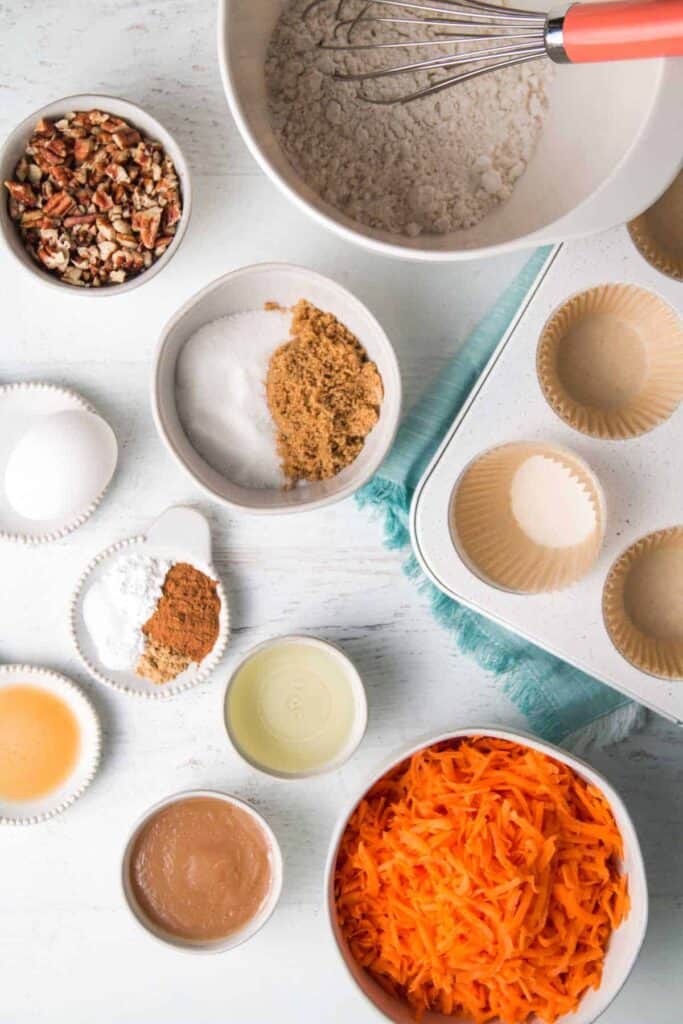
31 812
72 399
173 536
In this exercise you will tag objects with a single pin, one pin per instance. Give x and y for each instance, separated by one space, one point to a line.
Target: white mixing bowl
610 147
624 944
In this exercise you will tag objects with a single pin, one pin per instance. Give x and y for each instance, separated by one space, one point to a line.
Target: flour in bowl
433 166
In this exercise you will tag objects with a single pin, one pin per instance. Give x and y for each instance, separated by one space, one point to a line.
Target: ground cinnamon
324 395
186 619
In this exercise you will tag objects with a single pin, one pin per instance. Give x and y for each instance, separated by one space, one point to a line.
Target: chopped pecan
83 218
82 149
61 176
126 137
147 223
58 204
102 199
21 192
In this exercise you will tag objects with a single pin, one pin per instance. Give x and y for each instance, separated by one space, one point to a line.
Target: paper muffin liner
623 375
642 603
658 232
491 540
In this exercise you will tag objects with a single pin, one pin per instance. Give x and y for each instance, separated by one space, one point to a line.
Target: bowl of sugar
276 390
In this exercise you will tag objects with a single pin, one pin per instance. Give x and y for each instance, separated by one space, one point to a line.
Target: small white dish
624 945
247 289
30 812
138 118
20 405
253 926
360 708
179 535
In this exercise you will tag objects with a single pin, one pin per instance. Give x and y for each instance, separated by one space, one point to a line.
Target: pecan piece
147 223
126 137
82 149
83 218
44 127
58 204
21 192
102 199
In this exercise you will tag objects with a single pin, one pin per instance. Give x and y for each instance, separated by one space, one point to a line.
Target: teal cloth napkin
558 700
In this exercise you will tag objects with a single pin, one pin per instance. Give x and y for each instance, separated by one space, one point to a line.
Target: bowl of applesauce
202 871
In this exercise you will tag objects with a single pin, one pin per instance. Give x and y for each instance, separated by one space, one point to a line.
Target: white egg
61 465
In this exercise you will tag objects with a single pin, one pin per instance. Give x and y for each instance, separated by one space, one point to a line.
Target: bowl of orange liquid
50 743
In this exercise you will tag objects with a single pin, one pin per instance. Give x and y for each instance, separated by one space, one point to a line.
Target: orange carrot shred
482 878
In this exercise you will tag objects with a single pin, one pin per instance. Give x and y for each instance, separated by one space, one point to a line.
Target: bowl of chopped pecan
97 194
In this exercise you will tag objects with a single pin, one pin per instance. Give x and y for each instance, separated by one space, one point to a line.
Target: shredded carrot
482 878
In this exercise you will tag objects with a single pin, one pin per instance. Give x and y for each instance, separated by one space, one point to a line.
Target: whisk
505 36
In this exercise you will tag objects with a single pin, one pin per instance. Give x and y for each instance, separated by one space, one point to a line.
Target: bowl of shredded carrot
487 876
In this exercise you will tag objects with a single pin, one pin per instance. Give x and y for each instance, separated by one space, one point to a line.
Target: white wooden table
69 951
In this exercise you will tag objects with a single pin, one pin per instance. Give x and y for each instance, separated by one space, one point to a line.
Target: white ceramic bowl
252 927
360 720
598 164
625 942
149 126
249 288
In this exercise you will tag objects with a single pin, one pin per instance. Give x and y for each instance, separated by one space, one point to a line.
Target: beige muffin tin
639 470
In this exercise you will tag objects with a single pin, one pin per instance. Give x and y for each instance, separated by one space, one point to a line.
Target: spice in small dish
94 201
39 742
271 398
481 879
152 616
200 869
184 625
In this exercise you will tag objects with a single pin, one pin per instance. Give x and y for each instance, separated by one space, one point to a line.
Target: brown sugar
186 619
324 395
160 664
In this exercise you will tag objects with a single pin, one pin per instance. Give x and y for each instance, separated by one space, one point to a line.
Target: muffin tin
639 477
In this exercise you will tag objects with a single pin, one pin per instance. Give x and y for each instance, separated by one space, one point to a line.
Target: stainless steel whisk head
486 37
507 37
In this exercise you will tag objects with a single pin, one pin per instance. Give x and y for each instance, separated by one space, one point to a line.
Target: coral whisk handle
621 30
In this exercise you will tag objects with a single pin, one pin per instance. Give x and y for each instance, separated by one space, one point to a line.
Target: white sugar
221 395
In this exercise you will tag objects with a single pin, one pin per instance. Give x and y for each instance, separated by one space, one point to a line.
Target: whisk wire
444 62
498 37
463 76
406 44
